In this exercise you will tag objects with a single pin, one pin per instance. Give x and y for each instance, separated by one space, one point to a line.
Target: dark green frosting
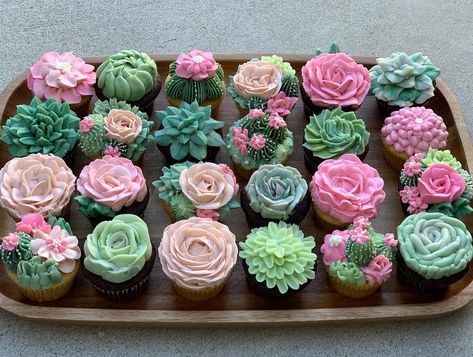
11 258
38 273
93 142
61 222
334 48
92 209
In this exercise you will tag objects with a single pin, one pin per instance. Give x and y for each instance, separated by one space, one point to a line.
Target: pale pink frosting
196 65
86 124
64 77
335 79
10 242
359 235
240 139
112 181
257 141
112 150
440 183
378 270
31 223
258 78
413 130
276 122
255 114
36 183
122 125
334 247
281 104
197 253
347 188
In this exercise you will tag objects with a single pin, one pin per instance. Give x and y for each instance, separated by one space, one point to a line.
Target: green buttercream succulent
333 133
457 208
42 127
360 253
334 48
347 272
168 184
224 210
188 130
181 207
402 80
286 67
38 273
61 222
103 107
434 156
468 193
92 209
93 141
11 258
280 256
127 75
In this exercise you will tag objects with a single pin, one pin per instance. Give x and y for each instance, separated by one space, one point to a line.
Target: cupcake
435 182
111 186
188 133
129 76
205 190
269 84
119 257
344 189
41 258
198 256
64 78
195 77
435 251
278 260
258 139
358 260
117 129
275 193
403 81
36 183
331 134
42 127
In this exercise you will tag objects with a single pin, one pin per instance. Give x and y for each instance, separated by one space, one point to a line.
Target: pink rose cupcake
344 189
111 186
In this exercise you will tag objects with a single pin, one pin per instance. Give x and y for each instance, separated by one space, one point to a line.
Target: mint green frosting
92 209
459 207
280 256
333 133
61 222
168 183
286 67
468 193
11 258
117 250
38 273
434 156
434 245
334 48
347 273
45 127
181 207
127 75
93 142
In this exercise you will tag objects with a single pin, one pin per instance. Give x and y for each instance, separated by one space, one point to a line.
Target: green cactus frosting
403 80
275 190
280 256
181 207
334 48
348 273
434 156
11 258
92 209
93 142
42 127
333 133
188 130
38 273
360 254
127 75
61 222
434 245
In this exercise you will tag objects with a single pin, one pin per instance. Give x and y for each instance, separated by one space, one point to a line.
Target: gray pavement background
441 29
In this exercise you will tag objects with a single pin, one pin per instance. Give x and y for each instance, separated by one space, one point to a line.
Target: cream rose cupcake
198 256
36 183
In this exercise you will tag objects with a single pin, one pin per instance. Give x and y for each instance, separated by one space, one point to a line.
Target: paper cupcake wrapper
167 209
353 291
124 294
393 158
201 294
325 222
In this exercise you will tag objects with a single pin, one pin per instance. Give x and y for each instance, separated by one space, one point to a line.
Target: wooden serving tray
236 304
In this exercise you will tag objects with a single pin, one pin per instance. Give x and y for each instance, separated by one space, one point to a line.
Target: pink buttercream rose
31 223
258 78
64 77
196 65
86 124
122 125
335 79
347 188
255 114
440 183
112 181
257 142
10 242
334 247
378 270
281 104
276 122
207 213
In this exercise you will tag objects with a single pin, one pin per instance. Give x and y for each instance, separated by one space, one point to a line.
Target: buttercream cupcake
258 139
64 78
198 256
358 260
188 133
435 182
269 84
205 190
36 183
275 193
195 76
435 251
41 258
344 189
111 186
278 260
331 134
117 129
129 76
119 257
42 127
401 80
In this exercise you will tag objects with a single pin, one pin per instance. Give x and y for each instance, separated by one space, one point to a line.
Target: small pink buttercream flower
281 104
10 242
31 223
334 247
255 114
389 240
361 222
411 168
86 124
410 195
276 122
112 151
257 142
378 270
196 64
240 140
359 235
227 170
207 213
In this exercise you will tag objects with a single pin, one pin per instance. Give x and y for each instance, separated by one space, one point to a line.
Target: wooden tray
237 304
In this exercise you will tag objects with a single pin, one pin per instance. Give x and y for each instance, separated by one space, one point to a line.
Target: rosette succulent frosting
37 273
41 127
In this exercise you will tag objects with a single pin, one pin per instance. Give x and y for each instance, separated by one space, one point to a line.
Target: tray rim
247 317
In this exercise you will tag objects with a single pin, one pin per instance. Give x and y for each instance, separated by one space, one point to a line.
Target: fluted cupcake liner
393 158
201 294
325 222
351 290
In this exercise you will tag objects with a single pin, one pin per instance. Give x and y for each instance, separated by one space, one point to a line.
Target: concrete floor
442 30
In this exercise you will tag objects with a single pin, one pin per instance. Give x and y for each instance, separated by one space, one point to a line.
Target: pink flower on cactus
378 270
228 171
86 124
63 77
257 142
10 242
361 222
411 195
281 104
359 235
417 157
196 65
389 240
334 247
417 205
31 223
255 114
240 140
276 122
411 168
112 151
207 213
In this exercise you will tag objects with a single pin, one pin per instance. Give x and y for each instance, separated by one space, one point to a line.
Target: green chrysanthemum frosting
434 156
11 258
92 209
93 142
280 256
42 127
38 273
348 273
468 193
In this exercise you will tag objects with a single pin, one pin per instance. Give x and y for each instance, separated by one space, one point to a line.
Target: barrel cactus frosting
435 245
117 250
41 127
15 248
403 80
127 75
333 133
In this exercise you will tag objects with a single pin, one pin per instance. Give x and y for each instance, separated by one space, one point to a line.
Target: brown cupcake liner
201 294
350 290
325 222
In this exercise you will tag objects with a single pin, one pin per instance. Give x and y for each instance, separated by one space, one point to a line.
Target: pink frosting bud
411 168
111 150
207 213
86 124
281 104
31 223
359 235
257 142
240 140
361 222
389 240
255 114
10 242
276 122
196 65
334 247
